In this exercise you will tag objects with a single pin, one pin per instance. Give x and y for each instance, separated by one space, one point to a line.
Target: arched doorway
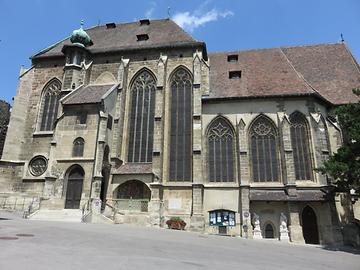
309 226
74 188
269 231
133 195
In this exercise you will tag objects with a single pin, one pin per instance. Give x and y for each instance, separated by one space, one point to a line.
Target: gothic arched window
180 128
221 151
78 147
50 105
264 150
300 145
142 118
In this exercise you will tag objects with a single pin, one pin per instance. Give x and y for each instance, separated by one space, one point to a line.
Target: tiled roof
162 33
330 69
326 70
134 168
89 94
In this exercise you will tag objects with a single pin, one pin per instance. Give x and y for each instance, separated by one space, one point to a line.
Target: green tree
344 166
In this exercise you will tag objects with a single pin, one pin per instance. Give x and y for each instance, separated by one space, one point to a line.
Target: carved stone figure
257 230
284 232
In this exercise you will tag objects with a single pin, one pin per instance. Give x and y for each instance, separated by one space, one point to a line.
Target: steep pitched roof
328 71
90 94
161 33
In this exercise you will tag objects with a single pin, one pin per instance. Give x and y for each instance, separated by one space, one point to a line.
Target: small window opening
181 55
73 86
235 74
81 118
110 25
142 37
109 122
144 22
233 58
78 147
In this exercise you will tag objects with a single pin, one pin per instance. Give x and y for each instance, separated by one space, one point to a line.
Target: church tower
77 58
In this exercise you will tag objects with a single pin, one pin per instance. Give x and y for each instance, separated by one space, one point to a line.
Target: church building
138 123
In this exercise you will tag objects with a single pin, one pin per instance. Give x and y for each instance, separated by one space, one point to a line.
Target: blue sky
28 26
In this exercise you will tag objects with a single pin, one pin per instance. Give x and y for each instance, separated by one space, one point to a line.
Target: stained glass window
300 145
142 118
180 129
264 150
221 151
50 105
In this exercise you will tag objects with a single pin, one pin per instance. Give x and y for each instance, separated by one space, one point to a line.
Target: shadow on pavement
346 249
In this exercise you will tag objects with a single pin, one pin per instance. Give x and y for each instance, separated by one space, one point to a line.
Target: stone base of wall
197 223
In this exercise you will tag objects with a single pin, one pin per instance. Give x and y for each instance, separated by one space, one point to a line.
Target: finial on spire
80 37
342 38
168 11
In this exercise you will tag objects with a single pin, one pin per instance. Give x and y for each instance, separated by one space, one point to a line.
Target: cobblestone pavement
46 245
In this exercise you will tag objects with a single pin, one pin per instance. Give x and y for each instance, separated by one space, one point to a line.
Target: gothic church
137 123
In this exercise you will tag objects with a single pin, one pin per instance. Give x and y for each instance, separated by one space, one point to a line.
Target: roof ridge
274 48
299 74
357 66
182 29
126 23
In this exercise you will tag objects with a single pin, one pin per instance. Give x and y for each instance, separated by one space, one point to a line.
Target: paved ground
60 245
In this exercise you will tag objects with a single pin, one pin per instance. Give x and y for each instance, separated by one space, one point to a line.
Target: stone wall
4 121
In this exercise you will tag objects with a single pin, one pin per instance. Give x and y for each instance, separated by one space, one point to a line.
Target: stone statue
257 230
284 232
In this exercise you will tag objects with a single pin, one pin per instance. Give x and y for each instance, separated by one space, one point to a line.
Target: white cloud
150 11
189 21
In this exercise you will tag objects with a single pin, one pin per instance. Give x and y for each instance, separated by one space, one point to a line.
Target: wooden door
74 189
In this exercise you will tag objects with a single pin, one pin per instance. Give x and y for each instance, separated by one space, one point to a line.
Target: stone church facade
139 122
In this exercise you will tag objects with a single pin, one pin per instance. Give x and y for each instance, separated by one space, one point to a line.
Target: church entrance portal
74 188
309 226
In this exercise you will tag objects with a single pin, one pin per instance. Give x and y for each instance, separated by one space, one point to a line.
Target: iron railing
26 205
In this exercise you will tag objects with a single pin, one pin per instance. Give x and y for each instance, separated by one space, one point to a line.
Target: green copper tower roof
80 37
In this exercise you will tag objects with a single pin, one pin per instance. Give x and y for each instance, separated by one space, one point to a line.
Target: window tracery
221 151
142 118
264 150
181 124
50 105
300 145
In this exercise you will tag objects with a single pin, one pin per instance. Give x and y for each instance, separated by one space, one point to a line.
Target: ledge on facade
222 185
43 133
280 195
178 184
75 159
34 180
12 162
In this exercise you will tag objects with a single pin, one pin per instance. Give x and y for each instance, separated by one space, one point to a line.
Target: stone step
65 215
